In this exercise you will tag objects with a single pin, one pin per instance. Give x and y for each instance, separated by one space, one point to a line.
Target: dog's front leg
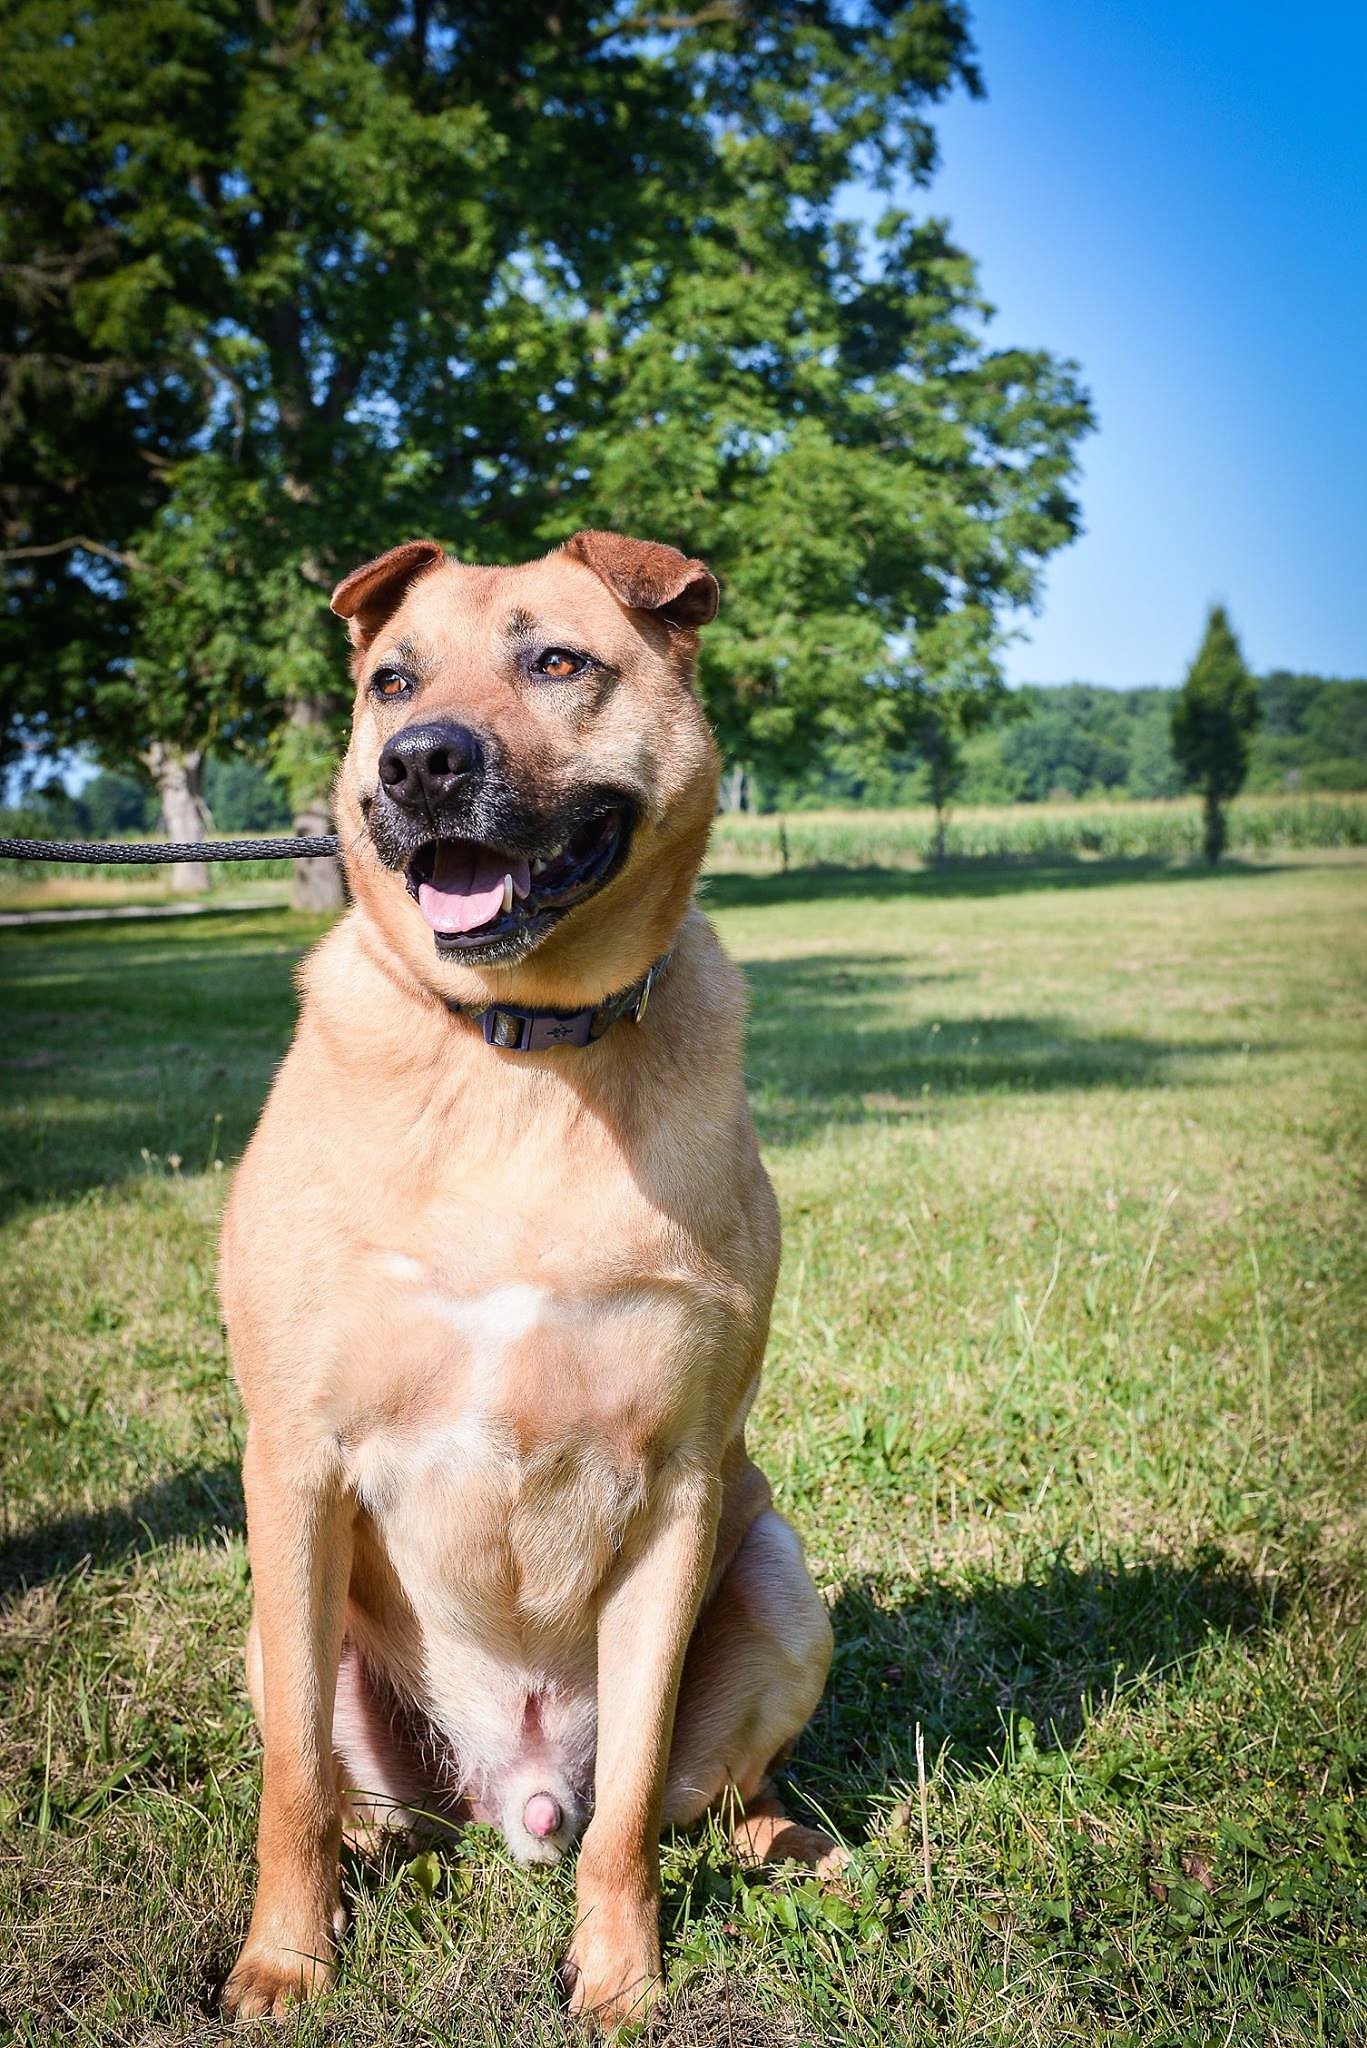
644 1624
299 1537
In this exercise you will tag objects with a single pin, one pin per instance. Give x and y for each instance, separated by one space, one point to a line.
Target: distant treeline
1076 740
241 798
1069 740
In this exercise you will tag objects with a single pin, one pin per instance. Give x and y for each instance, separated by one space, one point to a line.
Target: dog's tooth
507 894
539 866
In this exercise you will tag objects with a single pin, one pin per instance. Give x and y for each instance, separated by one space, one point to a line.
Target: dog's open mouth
474 896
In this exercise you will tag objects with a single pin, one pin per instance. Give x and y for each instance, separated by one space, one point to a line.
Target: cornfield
1033 832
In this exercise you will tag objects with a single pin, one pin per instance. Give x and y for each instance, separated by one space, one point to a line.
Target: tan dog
498 1314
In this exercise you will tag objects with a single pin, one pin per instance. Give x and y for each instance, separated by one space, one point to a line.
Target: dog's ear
370 594
649 576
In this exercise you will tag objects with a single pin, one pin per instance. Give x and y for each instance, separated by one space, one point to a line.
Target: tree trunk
184 816
1214 828
734 791
939 798
318 885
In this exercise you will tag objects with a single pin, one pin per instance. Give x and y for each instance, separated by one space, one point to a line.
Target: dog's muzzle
490 870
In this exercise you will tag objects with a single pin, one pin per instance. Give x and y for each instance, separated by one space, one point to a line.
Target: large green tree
1214 717
285 282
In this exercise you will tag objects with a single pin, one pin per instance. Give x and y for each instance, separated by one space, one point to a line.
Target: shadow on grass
164 1042
192 1505
123 1039
972 1666
966 1665
735 889
826 1045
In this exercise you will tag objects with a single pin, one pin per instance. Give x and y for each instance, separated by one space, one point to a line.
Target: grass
1065 1393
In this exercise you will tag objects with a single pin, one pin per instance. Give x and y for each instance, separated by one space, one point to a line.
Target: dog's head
530 780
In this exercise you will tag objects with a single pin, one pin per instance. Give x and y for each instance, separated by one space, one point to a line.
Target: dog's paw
766 1836
612 1972
265 1982
823 1856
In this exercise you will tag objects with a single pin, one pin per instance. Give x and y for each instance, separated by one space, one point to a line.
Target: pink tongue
466 889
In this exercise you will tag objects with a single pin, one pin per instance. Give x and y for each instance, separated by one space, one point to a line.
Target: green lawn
1065 1393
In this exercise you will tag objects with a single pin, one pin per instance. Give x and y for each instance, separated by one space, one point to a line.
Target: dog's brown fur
498 1321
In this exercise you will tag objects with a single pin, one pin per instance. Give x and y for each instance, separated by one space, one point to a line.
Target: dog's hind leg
754 1672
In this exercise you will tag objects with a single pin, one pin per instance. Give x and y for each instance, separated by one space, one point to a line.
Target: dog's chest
517 1433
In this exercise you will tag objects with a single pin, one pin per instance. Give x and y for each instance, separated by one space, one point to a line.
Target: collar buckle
509 1029
513 1030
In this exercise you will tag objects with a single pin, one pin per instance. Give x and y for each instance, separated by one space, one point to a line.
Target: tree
1214 717
946 716
325 277
243 798
1152 769
1313 733
112 803
1072 740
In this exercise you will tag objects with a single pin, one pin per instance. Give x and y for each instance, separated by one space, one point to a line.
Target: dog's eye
390 682
559 662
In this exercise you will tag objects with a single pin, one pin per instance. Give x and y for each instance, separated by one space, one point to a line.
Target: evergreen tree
1214 717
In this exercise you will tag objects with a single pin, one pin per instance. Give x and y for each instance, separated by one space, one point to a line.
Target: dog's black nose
421 766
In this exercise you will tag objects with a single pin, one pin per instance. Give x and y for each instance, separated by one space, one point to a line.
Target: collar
512 1029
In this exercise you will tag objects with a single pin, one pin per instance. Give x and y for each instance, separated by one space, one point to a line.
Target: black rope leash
121 853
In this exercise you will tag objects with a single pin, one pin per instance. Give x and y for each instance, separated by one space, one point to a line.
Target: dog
497 1271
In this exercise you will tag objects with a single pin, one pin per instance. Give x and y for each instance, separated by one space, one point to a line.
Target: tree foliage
1080 740
283 283
1214 716
1313 733
1068 745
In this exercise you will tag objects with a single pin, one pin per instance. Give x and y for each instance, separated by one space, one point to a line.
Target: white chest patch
387 1461
490 1323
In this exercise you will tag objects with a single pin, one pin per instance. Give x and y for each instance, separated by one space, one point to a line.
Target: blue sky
1176 196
